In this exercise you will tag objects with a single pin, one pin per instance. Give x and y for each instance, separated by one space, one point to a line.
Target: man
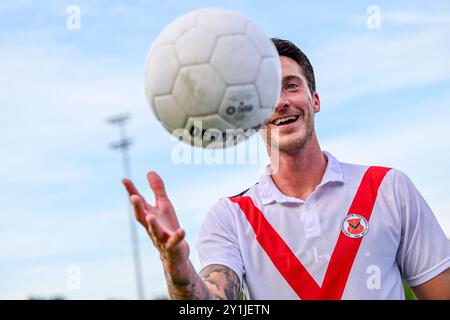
314 229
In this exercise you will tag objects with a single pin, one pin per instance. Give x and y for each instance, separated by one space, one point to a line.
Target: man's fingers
138 207
156 229
175 239
132 190
129 185
157 185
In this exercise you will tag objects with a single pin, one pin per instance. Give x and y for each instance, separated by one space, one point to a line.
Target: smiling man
315 228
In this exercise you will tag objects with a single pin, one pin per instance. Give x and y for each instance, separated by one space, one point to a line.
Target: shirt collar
270 193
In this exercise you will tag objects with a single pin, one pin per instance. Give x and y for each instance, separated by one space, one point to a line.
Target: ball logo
231 110
355 226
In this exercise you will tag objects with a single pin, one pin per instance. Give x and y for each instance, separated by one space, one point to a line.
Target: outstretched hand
160 220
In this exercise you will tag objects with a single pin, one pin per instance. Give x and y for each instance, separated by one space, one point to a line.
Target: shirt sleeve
218 241
424 250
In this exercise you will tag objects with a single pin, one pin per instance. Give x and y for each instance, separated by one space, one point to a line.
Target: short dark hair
288 49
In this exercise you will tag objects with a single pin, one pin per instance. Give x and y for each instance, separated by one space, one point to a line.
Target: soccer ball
212 77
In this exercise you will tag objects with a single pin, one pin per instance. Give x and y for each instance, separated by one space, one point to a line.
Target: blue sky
385 100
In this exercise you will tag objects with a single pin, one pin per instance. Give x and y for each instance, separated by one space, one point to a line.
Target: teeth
281 120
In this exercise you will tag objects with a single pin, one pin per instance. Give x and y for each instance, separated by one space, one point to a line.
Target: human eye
291 86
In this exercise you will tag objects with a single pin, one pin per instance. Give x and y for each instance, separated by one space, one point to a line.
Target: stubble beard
293 146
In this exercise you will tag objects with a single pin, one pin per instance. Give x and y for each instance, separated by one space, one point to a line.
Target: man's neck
299 174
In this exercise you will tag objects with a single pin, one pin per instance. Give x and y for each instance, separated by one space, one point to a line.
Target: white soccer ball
210 72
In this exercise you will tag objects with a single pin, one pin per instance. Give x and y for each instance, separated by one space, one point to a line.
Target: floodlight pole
123 145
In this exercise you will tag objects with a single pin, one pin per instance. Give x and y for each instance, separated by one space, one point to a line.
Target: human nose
282 103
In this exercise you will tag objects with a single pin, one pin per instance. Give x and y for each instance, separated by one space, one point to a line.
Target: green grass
409 294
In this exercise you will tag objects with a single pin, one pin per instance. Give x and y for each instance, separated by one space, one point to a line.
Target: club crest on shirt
355 226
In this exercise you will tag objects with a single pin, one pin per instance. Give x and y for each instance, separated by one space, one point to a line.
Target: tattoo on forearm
213 282
189 287
222 281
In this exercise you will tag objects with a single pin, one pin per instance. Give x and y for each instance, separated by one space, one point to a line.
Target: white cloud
377 62
109 277
56 101
12 5
49 234
37 248
415 18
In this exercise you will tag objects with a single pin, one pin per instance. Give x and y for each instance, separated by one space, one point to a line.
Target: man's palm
160 220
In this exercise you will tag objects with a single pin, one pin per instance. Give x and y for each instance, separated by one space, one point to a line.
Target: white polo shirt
404 238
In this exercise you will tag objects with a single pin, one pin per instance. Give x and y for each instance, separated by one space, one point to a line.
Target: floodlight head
118 119
123 144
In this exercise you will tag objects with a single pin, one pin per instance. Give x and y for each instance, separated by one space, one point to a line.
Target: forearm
184 283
